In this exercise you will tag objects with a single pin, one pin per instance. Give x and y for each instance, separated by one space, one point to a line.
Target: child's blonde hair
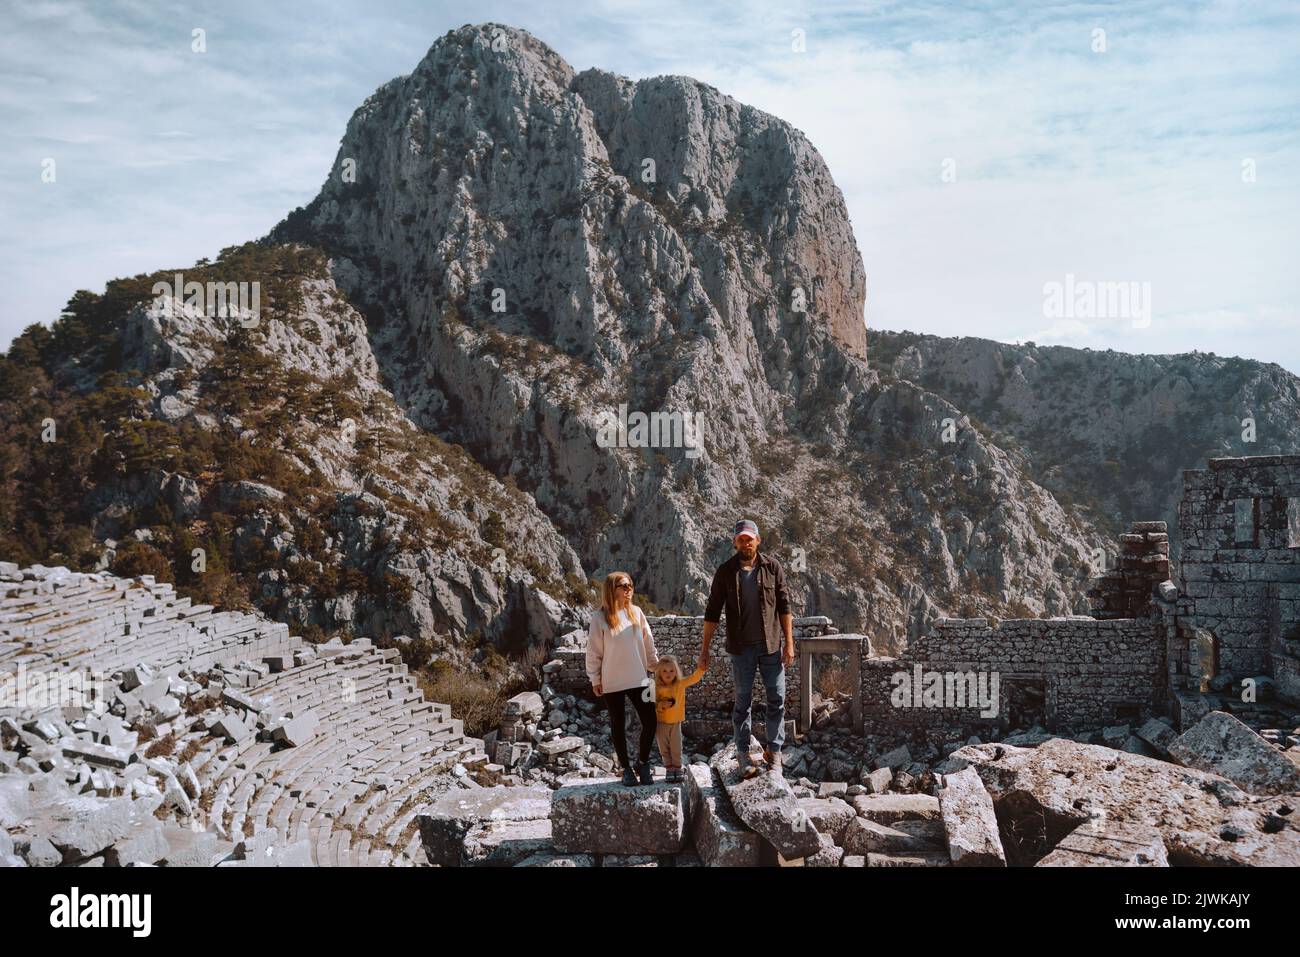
669 660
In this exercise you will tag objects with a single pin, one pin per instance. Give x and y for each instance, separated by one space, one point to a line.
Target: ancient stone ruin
1162 729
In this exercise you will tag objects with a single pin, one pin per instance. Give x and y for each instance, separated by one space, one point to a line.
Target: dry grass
162 746
477 700
833 678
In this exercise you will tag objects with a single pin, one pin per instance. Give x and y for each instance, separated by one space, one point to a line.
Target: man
760 636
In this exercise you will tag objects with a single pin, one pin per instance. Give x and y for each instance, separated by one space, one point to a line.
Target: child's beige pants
669 737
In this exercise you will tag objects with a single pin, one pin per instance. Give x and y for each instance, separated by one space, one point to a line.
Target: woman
620 653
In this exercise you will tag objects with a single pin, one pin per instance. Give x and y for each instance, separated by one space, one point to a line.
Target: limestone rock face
540 252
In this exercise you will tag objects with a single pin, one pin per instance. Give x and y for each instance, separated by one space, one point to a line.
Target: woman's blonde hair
609 599
669 660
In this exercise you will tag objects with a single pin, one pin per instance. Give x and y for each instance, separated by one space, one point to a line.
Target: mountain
1108 432
506 257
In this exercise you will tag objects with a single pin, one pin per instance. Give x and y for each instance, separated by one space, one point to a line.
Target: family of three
624 666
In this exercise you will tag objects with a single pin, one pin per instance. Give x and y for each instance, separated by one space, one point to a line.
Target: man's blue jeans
743 665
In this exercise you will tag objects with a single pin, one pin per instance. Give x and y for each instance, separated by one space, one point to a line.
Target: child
670 711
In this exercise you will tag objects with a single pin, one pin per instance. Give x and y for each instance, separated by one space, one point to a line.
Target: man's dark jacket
725 593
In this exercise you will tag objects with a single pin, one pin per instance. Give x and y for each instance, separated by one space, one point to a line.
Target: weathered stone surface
1222 744
84 826
146 844
1158 734
969 822
899 758
828 855
1043 794
547 859
830 816
766 805
864 836
187 848
297 731
889 808
913 859
721 838
445 822
1102 843
506 843
558 746
605 817
878 781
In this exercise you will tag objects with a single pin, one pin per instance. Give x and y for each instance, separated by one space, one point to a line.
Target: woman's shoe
629 777
647 776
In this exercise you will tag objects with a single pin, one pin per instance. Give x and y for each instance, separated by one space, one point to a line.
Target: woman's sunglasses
624 584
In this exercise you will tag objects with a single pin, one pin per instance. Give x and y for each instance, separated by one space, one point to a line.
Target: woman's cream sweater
620 659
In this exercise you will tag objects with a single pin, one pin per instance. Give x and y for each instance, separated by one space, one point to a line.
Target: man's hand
596 688
704 660
787 654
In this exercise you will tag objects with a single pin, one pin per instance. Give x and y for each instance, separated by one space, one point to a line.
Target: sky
990 154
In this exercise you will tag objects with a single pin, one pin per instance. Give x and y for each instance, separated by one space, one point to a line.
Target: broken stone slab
721 838
37 851
146 845
917 859
548 859
525 703
878 781
445 822
82 827
890 808
766 805
241 700
296 731
969 823
864 836
506 843
1158 734
1102 843
895 760
828 855
102 755
558 746
230 727
190 848
1224 745
829 815
602 816
1043 794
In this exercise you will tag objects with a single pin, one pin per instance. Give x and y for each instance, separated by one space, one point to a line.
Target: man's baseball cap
745 527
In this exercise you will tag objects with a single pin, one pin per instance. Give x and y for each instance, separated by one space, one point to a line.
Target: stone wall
1075 672
1240 564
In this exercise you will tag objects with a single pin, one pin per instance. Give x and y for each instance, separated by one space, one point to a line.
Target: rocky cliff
535 248
1107 432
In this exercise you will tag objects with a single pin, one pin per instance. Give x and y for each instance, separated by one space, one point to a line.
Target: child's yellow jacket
670 700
